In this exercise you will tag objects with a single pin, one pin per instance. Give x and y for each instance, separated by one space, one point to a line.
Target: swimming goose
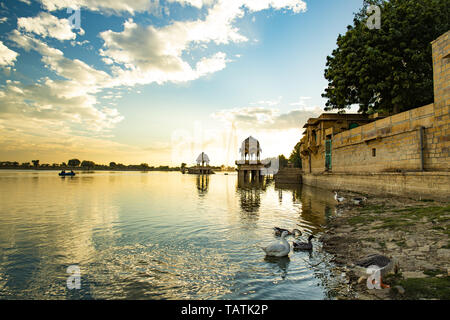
279 248
383 263
337 197
279 231
297 245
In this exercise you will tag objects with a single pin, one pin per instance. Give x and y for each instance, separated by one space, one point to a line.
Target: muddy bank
414 233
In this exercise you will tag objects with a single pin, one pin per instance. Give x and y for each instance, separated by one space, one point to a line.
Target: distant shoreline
93 169
104 169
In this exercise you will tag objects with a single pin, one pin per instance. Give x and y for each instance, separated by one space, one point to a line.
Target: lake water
157 235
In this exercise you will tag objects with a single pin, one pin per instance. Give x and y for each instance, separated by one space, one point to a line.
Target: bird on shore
305 246
279 231
279 248
358 201
383 263
337 197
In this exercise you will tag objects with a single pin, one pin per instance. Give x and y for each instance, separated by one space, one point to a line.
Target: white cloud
7 56
71 99
50 102
146 54
269 103
302 103
262 118
118 6
295 6
66 109
47 25
110 6
85 77
194 3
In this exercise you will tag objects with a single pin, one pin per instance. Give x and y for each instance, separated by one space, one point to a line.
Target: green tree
73 163
295 156
112 164
282 161
35 163
88 164
388 69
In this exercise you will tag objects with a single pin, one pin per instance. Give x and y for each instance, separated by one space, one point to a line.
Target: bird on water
305 246
278 248
279 231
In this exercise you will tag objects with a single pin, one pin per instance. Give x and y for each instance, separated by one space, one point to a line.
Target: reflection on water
156 236
202 183
281 263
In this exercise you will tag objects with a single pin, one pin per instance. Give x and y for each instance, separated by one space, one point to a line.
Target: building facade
406 153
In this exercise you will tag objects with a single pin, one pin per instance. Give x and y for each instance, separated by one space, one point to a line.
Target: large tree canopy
388 69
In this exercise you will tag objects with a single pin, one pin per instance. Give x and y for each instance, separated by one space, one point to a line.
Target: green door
328 155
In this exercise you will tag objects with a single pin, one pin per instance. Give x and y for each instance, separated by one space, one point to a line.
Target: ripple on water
155 236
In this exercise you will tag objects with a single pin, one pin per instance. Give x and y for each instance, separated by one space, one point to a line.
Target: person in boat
71 171
63 172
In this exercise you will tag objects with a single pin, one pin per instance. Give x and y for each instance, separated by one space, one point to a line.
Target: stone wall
438 141
415 140
388 145
288 176
406 154
441 74
418 185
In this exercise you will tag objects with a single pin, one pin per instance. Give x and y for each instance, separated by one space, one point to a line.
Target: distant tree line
73 164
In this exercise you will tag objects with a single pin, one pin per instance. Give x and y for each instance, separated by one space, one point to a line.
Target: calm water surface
157 235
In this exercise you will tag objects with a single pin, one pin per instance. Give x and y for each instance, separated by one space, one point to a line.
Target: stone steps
289 176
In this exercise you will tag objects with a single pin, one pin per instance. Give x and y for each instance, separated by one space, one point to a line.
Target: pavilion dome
203 158
250 147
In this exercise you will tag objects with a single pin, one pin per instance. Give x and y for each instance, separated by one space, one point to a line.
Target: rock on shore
414 233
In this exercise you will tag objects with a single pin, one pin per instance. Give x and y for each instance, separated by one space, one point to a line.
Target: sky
160 81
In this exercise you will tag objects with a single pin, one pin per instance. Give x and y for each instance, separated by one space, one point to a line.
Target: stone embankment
414 233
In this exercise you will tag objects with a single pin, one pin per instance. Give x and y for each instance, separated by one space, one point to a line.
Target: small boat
67 174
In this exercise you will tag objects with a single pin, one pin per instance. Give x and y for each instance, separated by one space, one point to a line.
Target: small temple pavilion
250 166
202 166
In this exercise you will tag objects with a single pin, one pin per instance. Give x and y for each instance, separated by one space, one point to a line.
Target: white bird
279 248
337 197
